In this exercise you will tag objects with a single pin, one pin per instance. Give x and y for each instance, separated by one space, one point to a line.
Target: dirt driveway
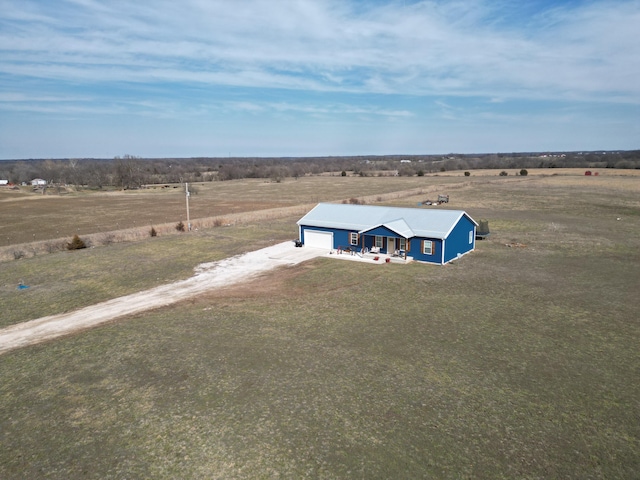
208 276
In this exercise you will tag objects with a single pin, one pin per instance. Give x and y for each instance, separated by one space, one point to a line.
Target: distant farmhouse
425 235
4 182
38 182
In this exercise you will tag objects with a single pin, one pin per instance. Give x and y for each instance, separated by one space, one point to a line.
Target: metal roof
407 222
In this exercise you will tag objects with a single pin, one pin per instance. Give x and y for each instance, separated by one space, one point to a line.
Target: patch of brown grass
510 363
30 216
545 172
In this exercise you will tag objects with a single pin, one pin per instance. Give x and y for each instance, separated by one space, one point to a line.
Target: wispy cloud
416 48
324 109
415 65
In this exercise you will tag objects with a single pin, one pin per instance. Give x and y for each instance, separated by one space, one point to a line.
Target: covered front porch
374 247
383 240
364 255
397 256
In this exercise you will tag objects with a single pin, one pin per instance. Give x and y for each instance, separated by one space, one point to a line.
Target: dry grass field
27 216
34 223
514 362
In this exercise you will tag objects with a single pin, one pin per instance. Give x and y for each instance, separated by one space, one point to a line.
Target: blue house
425 235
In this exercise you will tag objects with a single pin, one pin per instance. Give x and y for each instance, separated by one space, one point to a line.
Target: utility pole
186 188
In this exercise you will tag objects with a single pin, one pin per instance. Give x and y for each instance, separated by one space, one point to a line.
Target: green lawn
70 280
514 362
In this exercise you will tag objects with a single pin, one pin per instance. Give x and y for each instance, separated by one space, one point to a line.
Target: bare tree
128 172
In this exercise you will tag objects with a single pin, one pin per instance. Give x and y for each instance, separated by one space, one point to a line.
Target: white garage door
317 239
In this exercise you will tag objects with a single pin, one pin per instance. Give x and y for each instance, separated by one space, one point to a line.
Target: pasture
514 362
30 216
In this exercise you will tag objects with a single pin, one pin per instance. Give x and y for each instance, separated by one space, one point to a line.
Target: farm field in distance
31 217
28 216
518 361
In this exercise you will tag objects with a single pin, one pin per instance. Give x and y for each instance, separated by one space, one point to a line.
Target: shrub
108 238
52 246
153 232
467 174
503 173
180 226
524 172
421 173
344 174
76 243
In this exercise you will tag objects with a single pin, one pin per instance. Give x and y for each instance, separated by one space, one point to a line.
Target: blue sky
89 78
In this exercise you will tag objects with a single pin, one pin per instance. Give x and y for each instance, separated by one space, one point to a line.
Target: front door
391 245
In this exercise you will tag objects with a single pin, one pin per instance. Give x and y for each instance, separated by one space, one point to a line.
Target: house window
353 238
403 244
471 237
378 241
427 247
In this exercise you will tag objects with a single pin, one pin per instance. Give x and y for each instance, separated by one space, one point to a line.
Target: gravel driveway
208 276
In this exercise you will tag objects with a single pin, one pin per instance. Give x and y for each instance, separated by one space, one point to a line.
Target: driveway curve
208 276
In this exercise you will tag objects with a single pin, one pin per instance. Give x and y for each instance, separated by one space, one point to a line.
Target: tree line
128 171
